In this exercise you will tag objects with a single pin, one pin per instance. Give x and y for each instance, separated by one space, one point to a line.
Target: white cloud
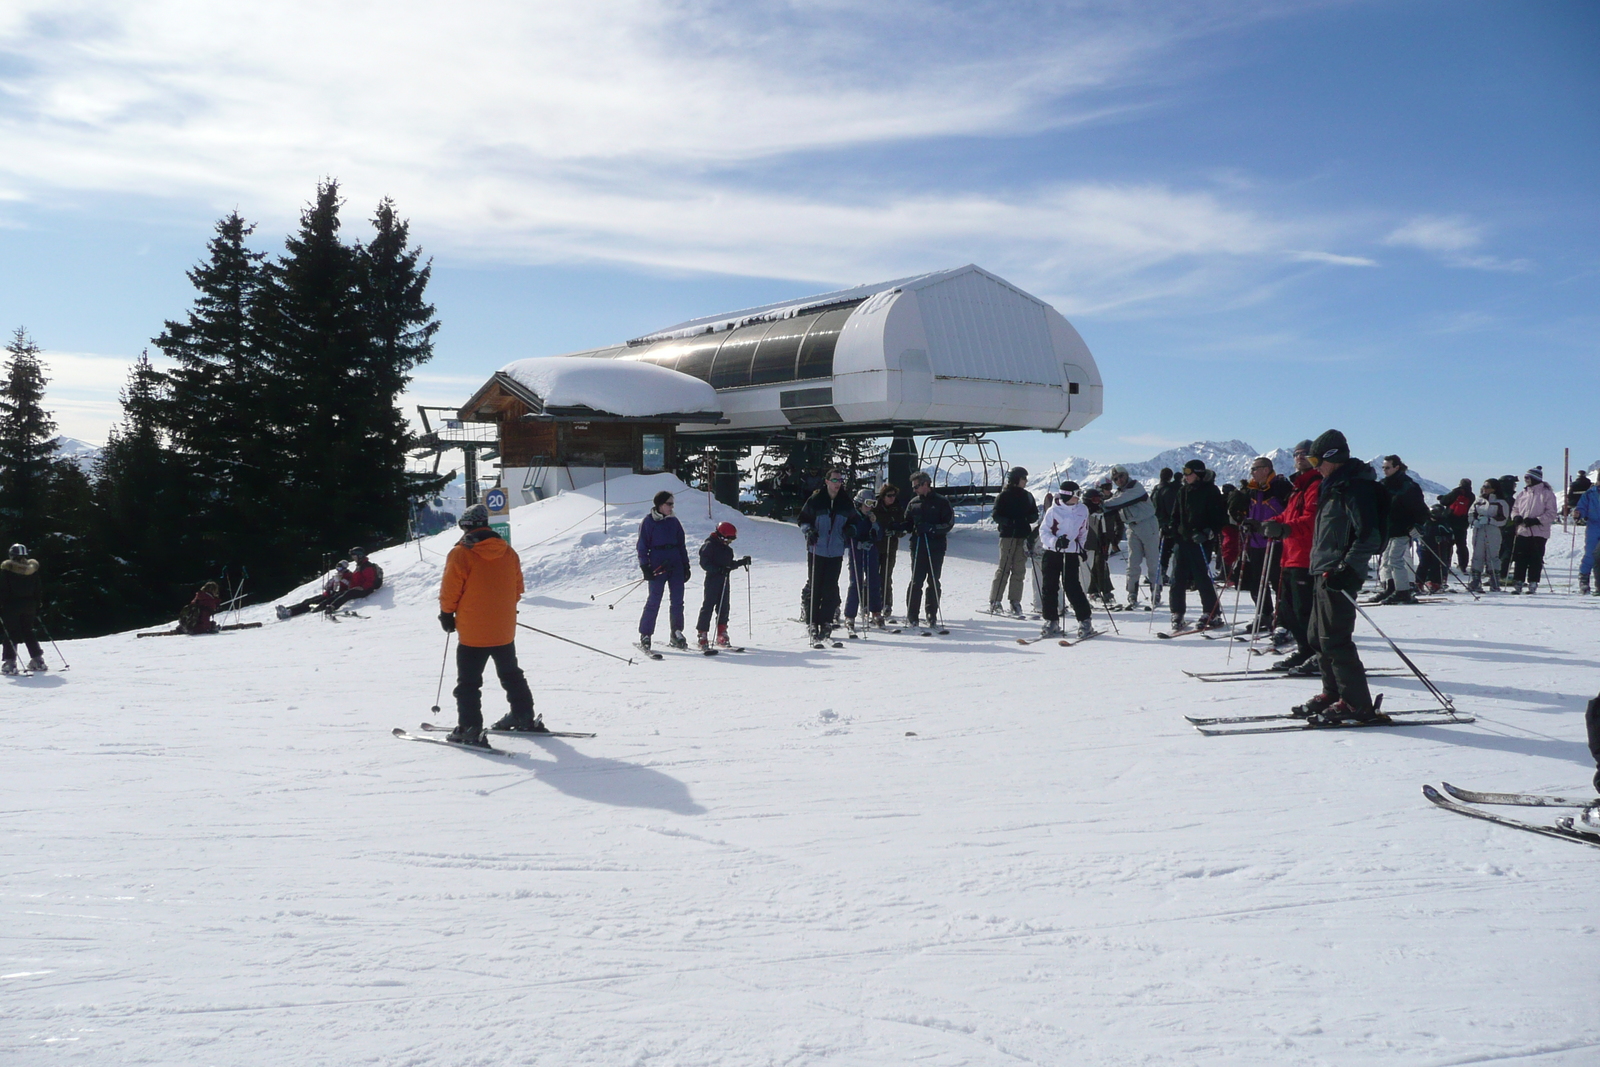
680 134
1333 259
1450 238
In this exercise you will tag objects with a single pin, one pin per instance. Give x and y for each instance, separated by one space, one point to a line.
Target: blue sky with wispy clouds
1264 218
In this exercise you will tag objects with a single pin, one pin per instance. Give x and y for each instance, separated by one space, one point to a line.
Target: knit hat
1536 473
866 496
1303 448
474 517
1331 446
1195 466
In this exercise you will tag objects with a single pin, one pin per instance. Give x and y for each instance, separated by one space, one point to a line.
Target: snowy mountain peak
1230 459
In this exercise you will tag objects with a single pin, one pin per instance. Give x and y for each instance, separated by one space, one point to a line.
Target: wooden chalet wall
569 441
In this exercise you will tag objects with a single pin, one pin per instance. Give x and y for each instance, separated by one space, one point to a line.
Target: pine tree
27 442
400 327
144 509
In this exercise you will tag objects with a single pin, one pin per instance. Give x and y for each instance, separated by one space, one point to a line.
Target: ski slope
932 851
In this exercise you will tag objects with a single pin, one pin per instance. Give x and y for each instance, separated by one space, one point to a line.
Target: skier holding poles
930 517
829 521
890 515
478 603
718 565
866 591
664 559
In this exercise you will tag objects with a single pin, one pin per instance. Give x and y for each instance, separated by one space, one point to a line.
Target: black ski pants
1190 568
1528 554
1332 637
327 602
19 631
1061 570
1591 719
825 590
470 661
890 548
927 565
715 600
1295 595
1254 560
1458 531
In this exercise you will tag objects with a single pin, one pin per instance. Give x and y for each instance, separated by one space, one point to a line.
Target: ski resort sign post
499 504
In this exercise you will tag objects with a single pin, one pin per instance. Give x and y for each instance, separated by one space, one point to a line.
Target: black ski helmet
358 553
19 551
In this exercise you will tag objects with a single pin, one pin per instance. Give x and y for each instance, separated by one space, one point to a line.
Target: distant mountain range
1230 459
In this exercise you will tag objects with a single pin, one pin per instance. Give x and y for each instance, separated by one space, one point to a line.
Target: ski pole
1238 592
439 690
857 587
64 664
1440 697
626 595
613 589
570 641
1446 565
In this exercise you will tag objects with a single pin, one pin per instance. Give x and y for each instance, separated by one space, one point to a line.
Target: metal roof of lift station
954 350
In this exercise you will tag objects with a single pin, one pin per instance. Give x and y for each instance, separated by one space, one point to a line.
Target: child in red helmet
718 564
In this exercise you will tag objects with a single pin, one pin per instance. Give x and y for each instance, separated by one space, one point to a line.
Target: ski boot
994 608
723 641
678 641
644 641
8 666
37 663
1086 630
1383 596
1476 585
1341 714
1290 662
1317 704
1583 585
470 738
1516 589
1052 628
1281 639
526 724
1403 596
879 621
703 639
1016 609
1533 587
1213 620
1311 668
1175 624
283 611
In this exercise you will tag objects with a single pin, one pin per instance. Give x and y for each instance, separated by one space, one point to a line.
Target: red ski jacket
1300 516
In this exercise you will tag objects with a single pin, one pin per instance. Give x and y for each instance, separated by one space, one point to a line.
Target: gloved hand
1275 529
811 536
1201 537
742 561
1532 522
1248 525
447 622
645 569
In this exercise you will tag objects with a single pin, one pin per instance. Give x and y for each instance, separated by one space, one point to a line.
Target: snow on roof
790 308
613 386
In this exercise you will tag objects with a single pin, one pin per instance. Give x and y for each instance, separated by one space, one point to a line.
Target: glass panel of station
732 366
775 357
816 351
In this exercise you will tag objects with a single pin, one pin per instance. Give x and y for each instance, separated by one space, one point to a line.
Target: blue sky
1264 218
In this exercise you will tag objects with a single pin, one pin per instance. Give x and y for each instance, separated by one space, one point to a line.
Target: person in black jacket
929 518
1407 510
1015 512
1508 536
890 515
1196 519
717 564
1458 502
1165 498
1346 536
19 607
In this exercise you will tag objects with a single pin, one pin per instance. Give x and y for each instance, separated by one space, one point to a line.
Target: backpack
377 577
190 618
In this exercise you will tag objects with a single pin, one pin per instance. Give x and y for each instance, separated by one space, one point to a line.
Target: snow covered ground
912 850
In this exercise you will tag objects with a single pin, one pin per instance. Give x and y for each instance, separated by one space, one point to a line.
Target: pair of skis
220 629
653 654
1248 724
1064 642
1264 674
1584 828
435 728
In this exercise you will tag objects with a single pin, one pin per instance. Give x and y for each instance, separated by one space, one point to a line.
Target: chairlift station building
951 354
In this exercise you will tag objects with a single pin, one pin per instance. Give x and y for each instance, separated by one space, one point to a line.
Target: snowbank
615 386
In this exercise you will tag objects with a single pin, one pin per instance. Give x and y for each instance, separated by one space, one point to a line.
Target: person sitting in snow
353 579
718 565
196 616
